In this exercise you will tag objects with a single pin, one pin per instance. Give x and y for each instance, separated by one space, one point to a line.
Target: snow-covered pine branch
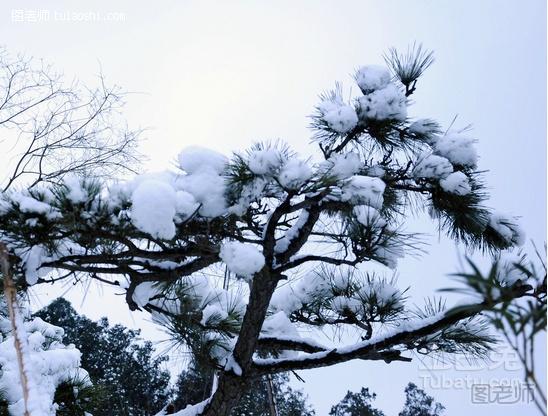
295 232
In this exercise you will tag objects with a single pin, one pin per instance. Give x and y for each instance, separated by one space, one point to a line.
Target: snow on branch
391 344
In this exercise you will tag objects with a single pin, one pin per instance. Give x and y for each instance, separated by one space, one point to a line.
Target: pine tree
356 404
295 235
193 385
418 403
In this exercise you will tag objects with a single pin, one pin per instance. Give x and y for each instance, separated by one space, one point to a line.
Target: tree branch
371 348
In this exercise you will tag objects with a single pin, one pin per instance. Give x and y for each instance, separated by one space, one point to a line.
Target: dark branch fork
262 288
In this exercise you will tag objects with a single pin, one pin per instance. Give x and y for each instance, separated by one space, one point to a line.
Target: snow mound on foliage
195 159
388 103
456 183
75 191
384 293
144 292
341 118
364 190
458 149
264 161
153 209
343 165
242 259
372 77
369 216
204 179
279 325
432 167
294 174
185 204
507 228
30 205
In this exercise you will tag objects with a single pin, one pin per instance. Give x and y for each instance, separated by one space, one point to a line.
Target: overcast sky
228 73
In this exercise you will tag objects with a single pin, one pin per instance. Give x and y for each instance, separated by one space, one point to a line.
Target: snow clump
507 228
265 161
458 149
294 174
341 118
153 208
372 77
242 259
204 179
456 183
432 167
364 190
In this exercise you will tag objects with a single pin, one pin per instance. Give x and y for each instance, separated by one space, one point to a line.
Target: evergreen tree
287 401
356 404
418 403
127 378
193 385
290 402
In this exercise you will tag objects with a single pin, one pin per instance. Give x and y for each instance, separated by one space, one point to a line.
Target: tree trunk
231 386
271 396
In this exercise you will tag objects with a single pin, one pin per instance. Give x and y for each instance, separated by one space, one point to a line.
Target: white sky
227 73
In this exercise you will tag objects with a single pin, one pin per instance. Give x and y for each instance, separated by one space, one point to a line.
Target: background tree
193 385
53 128
297 233
356 404
127 378
418 403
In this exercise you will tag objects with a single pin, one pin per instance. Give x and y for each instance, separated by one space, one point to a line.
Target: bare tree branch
54 129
